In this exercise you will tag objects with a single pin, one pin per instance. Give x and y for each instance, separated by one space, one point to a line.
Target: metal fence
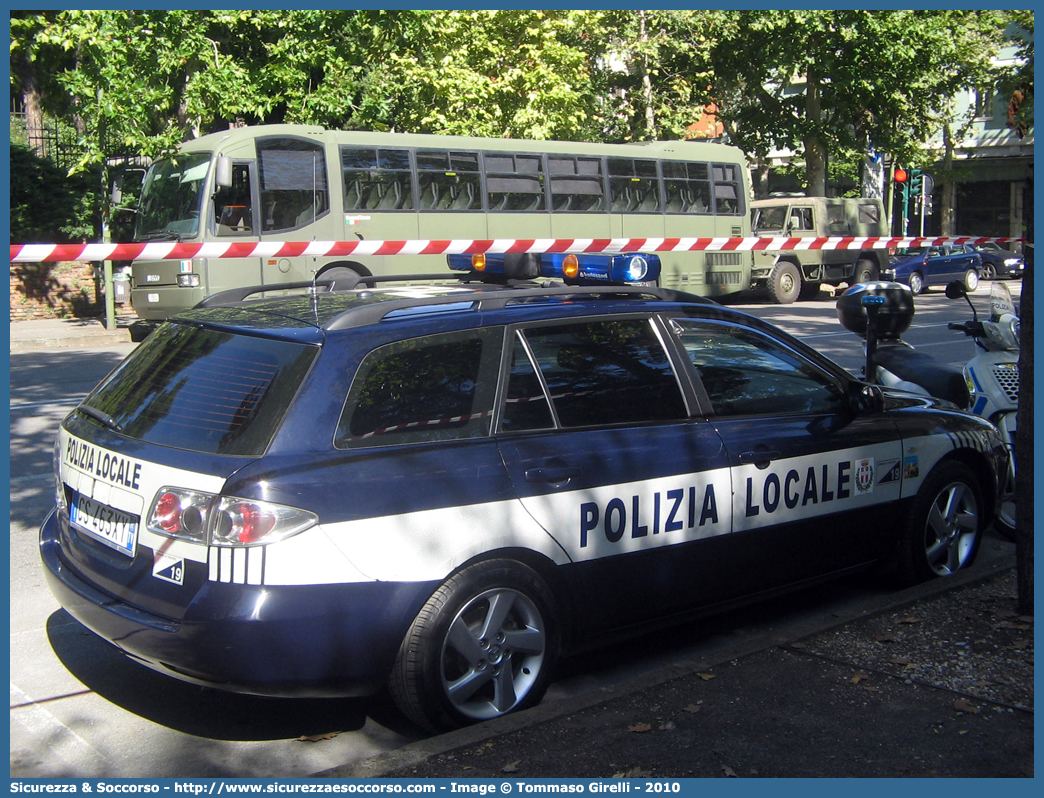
52 140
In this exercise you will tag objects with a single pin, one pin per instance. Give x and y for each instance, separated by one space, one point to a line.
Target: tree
833 83
1017 85
143 81
654 79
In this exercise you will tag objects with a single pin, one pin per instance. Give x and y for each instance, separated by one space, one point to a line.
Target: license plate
111 526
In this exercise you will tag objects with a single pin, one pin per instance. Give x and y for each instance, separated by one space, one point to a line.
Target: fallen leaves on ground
316 738
961 705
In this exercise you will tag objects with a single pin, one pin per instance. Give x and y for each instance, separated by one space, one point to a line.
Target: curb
70 342
416 753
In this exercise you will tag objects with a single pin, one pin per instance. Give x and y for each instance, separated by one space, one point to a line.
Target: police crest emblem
865 475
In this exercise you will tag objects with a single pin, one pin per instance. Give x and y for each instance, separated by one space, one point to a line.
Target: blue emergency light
573 268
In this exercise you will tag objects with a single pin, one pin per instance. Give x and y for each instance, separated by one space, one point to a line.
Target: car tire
917 283
483 645
784 284
866 271
942 532
989 272
971 279
1004 523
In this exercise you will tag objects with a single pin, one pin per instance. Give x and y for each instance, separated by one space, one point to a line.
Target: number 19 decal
169 569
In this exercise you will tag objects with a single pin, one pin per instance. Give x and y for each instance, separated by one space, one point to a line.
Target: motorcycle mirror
955 290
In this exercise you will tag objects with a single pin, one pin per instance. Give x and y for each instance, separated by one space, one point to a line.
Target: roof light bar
571 267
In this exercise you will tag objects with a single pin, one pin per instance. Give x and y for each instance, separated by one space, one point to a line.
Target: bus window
727 198
293 183
687 186
233 213
633 186
576 184
514 182
448 181
376 179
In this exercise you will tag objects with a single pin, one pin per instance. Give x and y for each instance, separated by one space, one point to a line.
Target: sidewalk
60 333
936 681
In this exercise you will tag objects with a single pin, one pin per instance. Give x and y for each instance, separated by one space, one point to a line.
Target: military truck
799 274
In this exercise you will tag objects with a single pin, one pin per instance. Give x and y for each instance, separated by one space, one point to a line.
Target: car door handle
760 458
552 475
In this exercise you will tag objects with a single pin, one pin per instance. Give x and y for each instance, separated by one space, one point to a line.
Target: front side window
597 373
294 188
233 207
746 374
435 388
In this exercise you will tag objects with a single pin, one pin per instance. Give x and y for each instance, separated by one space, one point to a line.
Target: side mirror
116 195
865 399
955 290
223 172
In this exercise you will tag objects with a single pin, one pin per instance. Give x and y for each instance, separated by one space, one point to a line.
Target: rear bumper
300 641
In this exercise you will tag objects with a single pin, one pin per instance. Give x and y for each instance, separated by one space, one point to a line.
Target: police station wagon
443 487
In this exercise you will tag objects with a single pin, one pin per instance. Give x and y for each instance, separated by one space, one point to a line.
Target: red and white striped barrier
170 250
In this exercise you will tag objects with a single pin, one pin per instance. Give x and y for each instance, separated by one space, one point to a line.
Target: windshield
171 199
1000 301
772 218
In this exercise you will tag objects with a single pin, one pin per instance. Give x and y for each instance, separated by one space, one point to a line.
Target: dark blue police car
442 487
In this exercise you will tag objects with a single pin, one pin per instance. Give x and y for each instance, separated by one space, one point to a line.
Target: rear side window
435 388
203 390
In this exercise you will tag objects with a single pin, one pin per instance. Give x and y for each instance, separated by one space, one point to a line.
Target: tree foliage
827 84
49 205
833 83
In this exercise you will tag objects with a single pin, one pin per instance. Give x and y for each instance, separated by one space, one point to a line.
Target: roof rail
234 296
488 296
484 294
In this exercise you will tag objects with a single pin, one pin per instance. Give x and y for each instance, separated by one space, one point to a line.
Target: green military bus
275 183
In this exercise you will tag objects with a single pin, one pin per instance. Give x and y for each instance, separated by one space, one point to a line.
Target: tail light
224 520
238 522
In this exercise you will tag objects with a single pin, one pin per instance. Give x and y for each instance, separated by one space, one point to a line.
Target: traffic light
902 181
916 182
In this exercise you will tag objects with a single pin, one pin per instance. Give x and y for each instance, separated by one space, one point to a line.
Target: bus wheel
784 284
343 271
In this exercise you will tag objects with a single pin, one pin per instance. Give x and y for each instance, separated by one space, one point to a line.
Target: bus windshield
171 199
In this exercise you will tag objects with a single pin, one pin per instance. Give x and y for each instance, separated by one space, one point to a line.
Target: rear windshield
204 390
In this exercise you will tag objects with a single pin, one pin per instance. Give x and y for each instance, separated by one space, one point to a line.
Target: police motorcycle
987 386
